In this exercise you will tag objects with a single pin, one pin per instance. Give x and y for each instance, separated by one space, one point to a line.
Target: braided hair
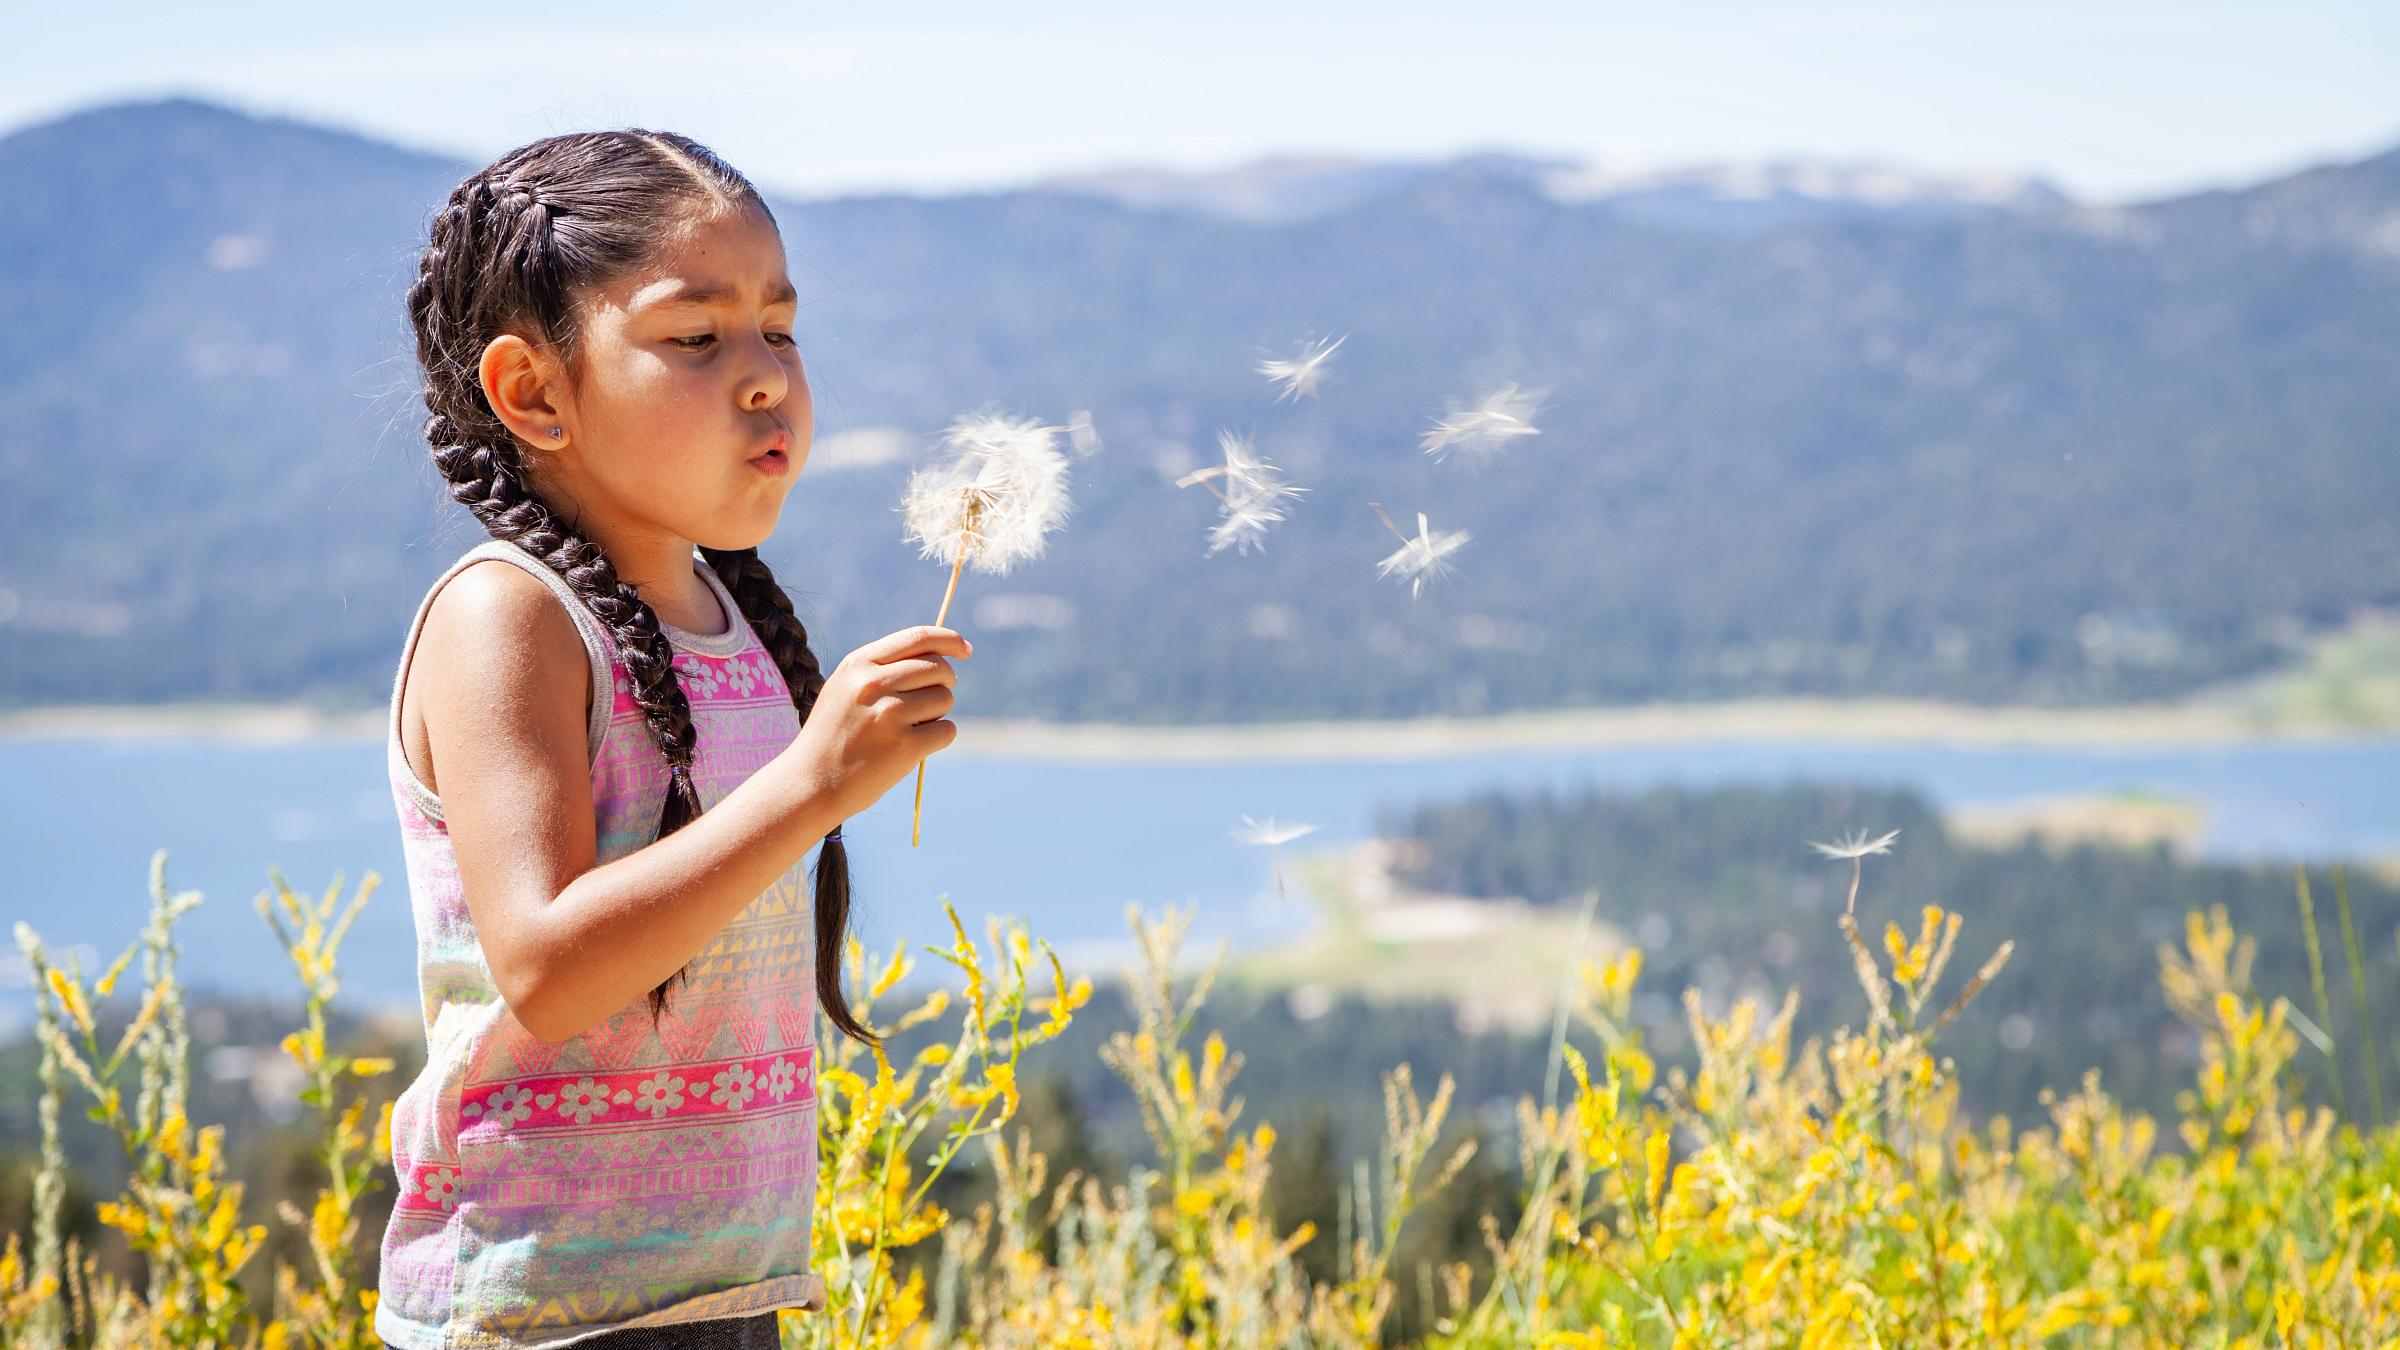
510 251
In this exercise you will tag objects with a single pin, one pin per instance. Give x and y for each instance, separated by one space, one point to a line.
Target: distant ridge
1972 442
1718 196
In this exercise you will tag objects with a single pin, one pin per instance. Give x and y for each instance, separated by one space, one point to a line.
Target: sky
2112 100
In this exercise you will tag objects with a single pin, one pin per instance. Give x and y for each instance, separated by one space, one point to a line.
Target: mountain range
1803 429
1733 196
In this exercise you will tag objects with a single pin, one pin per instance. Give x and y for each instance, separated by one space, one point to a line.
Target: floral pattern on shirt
701 677
658 1094
734 1087
511 1104
440 1185
583 1100
782 1077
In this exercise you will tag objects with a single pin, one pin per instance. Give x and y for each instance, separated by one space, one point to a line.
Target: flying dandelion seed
1858 845
1269 833
1252 498
992 502
1080 435
1422 556
1855 848
1474 435
1299 375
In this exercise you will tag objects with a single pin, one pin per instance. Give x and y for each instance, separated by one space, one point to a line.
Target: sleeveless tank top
629 1176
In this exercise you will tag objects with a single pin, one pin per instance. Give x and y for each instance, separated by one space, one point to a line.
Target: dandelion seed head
1857 845
1300 374
1270 832
1000 489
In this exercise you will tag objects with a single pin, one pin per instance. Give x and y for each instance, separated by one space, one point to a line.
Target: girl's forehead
731 260
762 288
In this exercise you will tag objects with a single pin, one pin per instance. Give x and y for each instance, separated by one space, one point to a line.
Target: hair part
517 248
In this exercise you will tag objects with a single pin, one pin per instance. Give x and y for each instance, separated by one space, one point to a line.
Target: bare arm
615 932
570 942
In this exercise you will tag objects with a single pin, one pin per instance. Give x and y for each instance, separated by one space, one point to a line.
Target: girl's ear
519 381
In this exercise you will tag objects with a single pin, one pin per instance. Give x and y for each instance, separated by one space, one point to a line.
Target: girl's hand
883 709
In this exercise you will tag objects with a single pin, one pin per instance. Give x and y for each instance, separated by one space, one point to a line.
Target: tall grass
1766 1194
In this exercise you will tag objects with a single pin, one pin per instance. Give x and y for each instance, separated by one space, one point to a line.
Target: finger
914 706
935 735
917 672
922 705
918 641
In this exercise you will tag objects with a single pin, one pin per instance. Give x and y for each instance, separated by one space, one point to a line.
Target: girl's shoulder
487 617
497 648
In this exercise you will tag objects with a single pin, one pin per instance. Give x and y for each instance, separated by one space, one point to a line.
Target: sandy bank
1849 722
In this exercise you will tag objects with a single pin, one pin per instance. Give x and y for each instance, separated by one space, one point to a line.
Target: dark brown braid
769 611
509 252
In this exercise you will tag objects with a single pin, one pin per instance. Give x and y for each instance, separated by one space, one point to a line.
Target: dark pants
717 1333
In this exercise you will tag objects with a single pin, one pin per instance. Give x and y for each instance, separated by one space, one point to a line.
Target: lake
1064 844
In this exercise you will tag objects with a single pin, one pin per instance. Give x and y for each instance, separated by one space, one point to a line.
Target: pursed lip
781 440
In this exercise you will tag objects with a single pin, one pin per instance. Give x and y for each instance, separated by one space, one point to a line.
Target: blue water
1065 845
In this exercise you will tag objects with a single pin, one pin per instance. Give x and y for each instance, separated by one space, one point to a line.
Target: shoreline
1885 721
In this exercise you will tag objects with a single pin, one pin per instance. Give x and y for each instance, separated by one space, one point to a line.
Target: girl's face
689 375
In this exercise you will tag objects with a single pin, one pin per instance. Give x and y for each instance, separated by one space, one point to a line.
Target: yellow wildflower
71 997
1654 1156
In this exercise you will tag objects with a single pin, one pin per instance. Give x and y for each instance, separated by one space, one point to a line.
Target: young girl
612 755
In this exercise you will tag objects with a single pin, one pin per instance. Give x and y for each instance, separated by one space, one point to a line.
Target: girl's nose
766 382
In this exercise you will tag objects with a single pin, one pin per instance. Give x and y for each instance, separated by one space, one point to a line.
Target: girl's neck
687 603
660 568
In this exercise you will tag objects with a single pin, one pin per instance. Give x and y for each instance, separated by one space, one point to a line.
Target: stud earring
556 432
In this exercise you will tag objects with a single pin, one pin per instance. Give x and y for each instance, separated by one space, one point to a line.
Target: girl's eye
693 344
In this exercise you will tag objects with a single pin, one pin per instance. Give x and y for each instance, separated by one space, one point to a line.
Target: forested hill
1723 893
2032 451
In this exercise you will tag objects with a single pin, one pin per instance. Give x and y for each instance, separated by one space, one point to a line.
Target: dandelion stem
916 823
950 592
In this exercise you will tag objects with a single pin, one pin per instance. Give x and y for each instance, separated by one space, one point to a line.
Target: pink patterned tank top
628 1176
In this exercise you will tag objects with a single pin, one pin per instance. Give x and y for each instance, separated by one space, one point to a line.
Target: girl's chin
749 525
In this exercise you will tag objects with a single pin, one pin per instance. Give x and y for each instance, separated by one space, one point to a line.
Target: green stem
883 1188
2316 982
2358 991
933 1170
